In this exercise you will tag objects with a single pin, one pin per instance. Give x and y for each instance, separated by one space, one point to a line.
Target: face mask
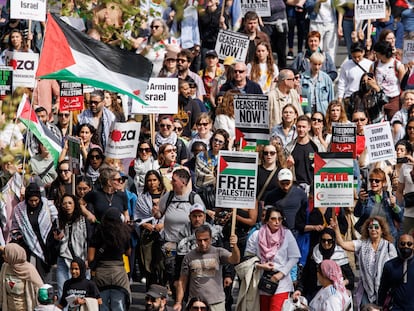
405 252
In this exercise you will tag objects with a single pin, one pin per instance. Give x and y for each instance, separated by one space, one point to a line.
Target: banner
28 9
261 7
344 138
369 9
334 179
379 142
74 154
230 43
161 97
123 140
408 53
236 179
71 96
24 66
251 113
6 80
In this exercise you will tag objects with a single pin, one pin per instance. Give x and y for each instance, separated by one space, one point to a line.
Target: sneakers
290 56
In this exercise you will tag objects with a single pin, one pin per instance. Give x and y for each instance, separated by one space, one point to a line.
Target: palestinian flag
27 115
71 55
239 165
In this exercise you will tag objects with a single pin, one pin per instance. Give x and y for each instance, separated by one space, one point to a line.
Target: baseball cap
285 174
229 60
157 291
211 53
123 176
170 55
197 207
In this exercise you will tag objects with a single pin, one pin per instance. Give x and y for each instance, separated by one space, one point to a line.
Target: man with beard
156 298
398 276
188 109
184 59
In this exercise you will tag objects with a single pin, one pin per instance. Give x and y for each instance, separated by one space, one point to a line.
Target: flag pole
29 41
152 128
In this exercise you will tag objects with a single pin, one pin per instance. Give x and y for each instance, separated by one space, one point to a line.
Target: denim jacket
324 91
363 210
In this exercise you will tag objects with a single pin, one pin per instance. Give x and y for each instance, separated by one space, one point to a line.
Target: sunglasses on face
147 150
168 126
120 180
373 227
403 244
170 150
375 180
266 153
218 141
197 308
178 129
317 120
149 298
327 241
155 26
96 157
238 71
202 124
359 120
279 219
63 115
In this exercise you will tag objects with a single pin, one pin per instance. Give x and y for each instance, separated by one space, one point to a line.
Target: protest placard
261 7
251 113
369 9
343 138
74 154
6 80
408 53
71 96
24 66
28 9
123 140
161 97
334 179
379 142
231 43
236 179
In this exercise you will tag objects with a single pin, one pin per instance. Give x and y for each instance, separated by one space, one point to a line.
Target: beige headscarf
15 256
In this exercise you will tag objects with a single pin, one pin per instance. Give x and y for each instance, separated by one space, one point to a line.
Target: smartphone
364 186
402 160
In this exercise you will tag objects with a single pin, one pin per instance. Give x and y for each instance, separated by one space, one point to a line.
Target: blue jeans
62 274
112 299
348 28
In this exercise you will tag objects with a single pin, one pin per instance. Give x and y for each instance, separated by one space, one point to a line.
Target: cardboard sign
161 97
261 7
334 179
344 138
369 9
251 113
379 142
236 179
71 96
230 43
408 53
24 66
28 9
6 80
74 154
123 140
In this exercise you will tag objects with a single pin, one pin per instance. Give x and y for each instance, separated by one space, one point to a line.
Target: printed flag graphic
71 55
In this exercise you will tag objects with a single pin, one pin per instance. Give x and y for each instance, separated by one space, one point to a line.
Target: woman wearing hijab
325 249
20 280
278 251
332 296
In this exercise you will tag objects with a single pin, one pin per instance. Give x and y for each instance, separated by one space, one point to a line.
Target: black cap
157 291
211 53
32 190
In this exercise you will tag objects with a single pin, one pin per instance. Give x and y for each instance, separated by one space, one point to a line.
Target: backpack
171 196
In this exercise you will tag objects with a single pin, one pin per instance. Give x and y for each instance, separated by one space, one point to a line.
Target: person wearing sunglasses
326 249
271 158
241 82
94 160
144 162
398 276
378 201
166 135
318 132
278 251
62 184
197 304
156 298
373 250
203 125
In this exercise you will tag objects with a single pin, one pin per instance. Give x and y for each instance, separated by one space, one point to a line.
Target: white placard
369 9
230 43
161 97
379 142
261 7
236 179
28 9
408 54
24 66
123 140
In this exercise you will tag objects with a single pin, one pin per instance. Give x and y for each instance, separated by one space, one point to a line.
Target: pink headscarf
269 243
333 272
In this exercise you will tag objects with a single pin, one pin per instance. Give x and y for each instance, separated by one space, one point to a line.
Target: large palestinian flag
71 55
27 116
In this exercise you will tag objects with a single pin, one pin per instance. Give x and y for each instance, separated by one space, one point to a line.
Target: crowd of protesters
152 218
